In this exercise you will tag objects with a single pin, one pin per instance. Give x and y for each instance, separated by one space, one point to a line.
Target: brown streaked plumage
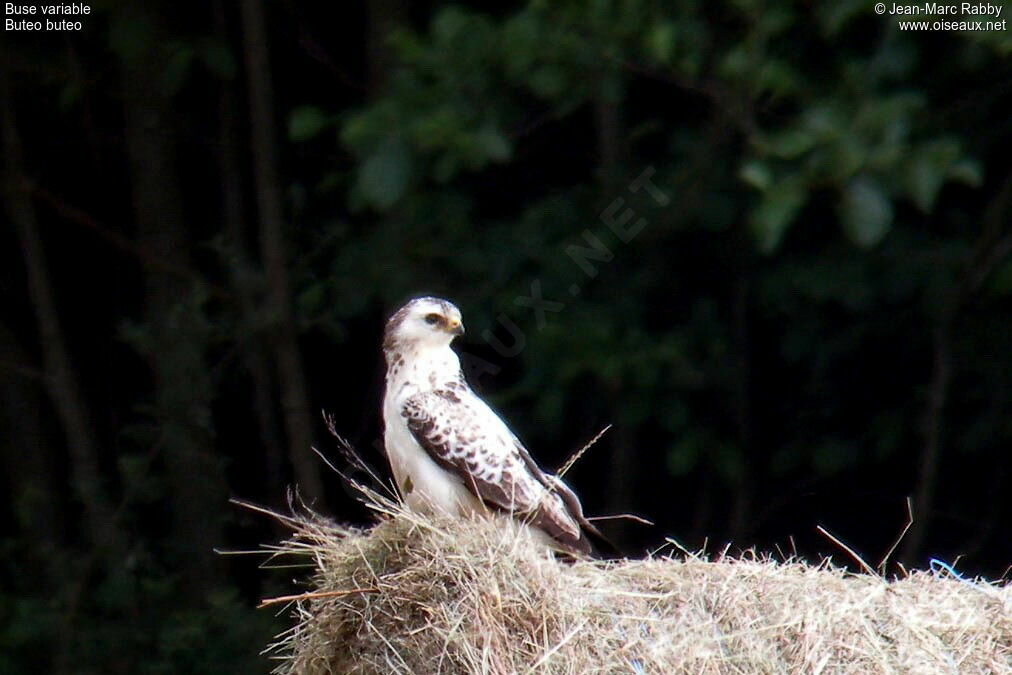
448 449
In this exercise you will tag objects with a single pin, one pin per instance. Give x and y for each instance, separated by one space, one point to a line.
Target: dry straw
416 594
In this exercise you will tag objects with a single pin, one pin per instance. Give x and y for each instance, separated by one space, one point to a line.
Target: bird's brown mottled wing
559 487
465 437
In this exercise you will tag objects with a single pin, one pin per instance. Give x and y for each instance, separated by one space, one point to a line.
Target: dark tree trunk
273 248
701 526
62 383
383 17
28 457
244 277
993 246
611 148
176 337
622 479
610 144
741 515
931 432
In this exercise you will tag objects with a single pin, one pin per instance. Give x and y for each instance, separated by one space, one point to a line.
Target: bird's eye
432 319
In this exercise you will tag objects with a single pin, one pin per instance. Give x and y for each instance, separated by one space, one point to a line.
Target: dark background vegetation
210 208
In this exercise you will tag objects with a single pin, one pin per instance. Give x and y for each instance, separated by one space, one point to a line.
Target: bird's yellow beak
454 327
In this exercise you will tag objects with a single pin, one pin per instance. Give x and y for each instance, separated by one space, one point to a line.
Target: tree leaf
684 455
865 212
177 68
832 456
968 172
928 169
756 174
776 211
311 299
70 94
660 42
1001 280
493 144
218 59
305 122
384 176
548 81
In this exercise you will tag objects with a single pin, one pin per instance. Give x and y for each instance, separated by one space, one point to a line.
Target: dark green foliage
851 137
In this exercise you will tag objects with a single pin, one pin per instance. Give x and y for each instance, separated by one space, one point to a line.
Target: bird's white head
423 323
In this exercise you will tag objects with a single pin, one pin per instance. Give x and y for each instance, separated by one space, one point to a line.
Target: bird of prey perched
449 451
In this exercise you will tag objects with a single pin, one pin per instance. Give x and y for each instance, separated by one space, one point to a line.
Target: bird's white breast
423 484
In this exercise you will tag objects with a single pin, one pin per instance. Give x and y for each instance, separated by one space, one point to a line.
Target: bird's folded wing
459 434
558 486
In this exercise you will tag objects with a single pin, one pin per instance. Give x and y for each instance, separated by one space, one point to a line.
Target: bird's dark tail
592 540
